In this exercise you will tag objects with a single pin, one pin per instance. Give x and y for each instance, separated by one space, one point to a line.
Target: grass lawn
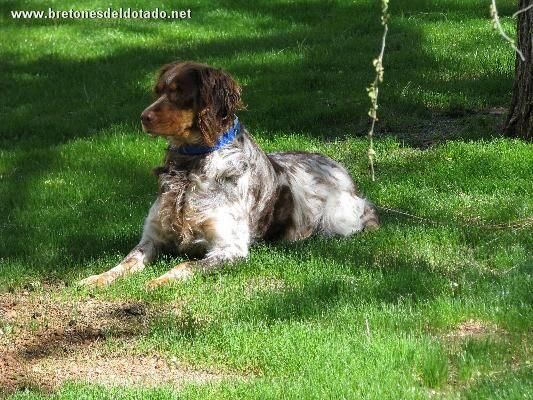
413 310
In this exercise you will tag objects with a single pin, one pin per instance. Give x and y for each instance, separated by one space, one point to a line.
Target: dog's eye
176 94
158 90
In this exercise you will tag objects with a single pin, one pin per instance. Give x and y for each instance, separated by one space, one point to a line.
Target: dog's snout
147 116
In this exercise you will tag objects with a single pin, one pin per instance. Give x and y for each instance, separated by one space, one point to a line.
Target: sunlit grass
370 316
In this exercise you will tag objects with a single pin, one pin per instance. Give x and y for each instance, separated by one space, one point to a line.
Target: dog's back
324 197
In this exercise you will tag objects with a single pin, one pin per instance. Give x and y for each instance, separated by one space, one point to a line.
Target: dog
219 192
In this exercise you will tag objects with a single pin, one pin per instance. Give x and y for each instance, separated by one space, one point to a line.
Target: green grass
75 185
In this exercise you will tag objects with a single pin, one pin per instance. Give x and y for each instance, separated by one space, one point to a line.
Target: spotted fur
215 205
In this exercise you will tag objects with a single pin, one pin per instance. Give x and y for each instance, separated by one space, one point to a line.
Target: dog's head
194 104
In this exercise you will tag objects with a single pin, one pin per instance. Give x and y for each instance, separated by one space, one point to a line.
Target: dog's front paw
179 274
96 281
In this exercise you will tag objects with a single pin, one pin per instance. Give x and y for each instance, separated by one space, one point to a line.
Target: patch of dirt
453 124
119 370
45 341
473 328
496 111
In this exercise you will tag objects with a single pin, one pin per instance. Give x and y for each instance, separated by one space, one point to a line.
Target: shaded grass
76 185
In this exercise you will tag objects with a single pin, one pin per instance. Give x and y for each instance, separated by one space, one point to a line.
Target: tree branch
497 25
373 89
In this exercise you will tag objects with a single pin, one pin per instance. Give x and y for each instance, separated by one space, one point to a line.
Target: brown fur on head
195 104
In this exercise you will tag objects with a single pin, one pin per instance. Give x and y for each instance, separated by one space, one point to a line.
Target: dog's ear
220 96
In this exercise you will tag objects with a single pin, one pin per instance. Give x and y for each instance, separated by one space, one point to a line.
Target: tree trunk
520 119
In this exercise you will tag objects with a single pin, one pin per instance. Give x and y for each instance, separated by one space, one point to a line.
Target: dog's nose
147 117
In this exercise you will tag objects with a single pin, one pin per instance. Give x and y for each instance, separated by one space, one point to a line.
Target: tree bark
520 119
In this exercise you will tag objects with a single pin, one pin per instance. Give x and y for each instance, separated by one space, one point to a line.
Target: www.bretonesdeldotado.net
109 13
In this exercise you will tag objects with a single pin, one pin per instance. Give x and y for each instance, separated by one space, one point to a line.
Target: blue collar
224 140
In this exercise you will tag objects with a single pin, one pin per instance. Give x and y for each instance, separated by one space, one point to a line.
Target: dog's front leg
144 253
186 270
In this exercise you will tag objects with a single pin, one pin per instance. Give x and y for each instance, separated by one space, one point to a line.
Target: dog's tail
370 217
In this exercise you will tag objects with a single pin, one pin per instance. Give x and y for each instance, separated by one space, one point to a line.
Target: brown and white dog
219 192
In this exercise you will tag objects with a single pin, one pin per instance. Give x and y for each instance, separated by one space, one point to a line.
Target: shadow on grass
416 283
356 281
95 227
52 100
318 89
